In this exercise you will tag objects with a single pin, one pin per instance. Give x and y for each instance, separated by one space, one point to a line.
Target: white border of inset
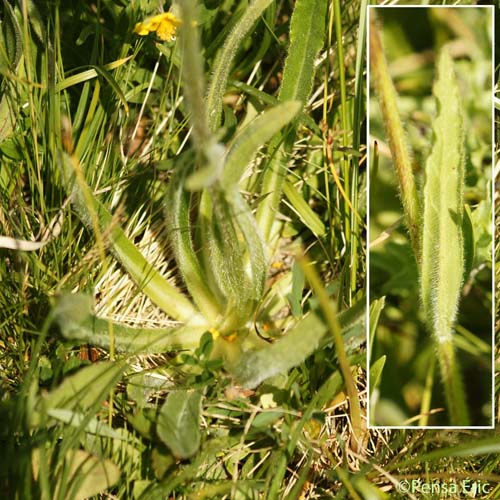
368 164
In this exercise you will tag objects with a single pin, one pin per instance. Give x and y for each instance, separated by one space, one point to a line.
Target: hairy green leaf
285 353
233 255
442 237
394 129
178 424
252 137
307 33
73 314
179 226
225 58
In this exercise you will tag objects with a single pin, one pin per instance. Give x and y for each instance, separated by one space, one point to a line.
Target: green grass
82 93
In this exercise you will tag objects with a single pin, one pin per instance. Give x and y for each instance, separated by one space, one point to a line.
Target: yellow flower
165 25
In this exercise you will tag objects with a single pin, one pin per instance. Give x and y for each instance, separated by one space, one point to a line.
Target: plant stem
395 132
452 381
193 76
334 327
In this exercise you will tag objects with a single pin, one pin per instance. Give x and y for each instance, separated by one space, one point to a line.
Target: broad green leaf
442 266
73 314
252 137
178 424
285 353
88 475
95 216
224 60
86 388
303 210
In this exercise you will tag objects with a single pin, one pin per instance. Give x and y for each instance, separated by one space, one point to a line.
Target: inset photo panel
430 221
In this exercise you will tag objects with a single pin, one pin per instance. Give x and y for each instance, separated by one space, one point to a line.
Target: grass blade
303 210
332 321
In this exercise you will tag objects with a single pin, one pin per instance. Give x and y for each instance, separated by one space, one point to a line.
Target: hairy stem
395 133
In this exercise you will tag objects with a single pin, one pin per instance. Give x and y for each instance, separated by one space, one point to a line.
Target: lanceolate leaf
442 238
307 33
283 354
225 58
10 35
252 137
233 255
178 223
74 316
178 424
